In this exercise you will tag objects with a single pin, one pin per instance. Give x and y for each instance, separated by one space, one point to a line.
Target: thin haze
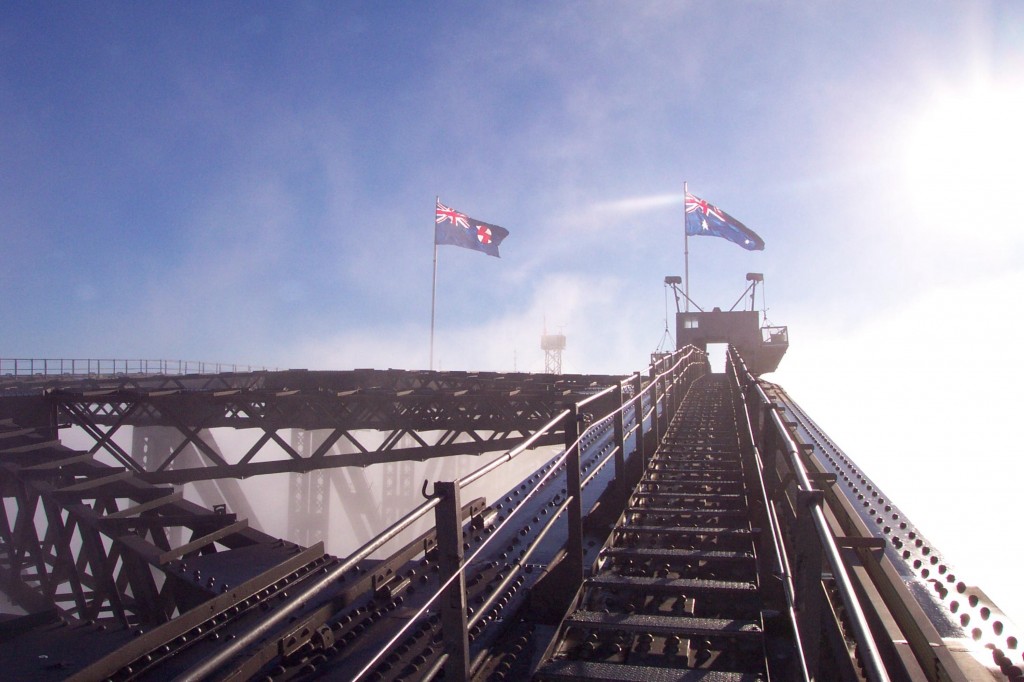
255 182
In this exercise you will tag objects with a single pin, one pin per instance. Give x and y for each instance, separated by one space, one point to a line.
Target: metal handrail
514 452
224 654
736 366
867 648
552 469
26 367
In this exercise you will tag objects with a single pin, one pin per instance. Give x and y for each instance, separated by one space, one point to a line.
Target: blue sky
254 183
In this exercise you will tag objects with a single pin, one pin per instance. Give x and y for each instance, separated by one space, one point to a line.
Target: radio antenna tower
552 345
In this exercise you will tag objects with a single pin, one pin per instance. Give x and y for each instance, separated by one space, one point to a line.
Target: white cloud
926 399
641 204
577 305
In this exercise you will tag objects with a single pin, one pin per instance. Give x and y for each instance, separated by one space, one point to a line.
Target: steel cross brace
448 445
104 439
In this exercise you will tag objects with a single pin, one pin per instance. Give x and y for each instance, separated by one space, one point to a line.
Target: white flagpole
433 288
686 250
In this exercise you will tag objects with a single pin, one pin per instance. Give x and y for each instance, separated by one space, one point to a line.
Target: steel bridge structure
683 525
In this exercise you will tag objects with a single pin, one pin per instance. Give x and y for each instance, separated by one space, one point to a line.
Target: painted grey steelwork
58 464
922 584
414 415
100 367
119 578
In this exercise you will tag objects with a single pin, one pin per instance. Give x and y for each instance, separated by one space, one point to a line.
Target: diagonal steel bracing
98 543
375 417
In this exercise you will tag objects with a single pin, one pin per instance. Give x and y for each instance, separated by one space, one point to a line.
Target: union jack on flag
458 229
703 218
696 204
451 215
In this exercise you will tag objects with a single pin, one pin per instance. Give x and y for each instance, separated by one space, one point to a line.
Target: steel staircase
674 593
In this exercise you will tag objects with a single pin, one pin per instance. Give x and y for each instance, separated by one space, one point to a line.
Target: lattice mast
552 345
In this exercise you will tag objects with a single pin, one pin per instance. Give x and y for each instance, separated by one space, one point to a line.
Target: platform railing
779 335
777 567
28 367
804 539
670 376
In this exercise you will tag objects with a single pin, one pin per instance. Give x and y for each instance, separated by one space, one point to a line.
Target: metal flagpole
686 250
433 288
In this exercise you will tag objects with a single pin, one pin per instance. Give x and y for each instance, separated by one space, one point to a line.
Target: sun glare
965 151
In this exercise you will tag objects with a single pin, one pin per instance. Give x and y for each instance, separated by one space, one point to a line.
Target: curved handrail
867 648
301 597
781 557
554 466
85 367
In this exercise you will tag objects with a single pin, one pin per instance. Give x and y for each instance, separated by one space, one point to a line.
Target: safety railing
650 406
805 546
26 367
882 548
763 510
669 376
775 335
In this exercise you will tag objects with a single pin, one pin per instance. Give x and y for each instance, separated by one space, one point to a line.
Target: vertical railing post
670 390
674 385
806 552
659 392
574 489
640 451
655 400
663 382
454 623
671 386
619 428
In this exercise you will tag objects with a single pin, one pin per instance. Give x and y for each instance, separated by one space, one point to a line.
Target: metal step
687 611
687 511
681 626
731 497
688 586
594 670
688 474
654 478
696 454
686 466
670 554
684 531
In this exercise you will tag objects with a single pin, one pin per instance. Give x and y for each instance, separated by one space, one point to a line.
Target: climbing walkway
675 590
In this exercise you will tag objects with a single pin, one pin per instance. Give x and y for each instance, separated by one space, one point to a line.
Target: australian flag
458 229
703 218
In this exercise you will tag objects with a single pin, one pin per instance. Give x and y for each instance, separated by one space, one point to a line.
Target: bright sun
966 151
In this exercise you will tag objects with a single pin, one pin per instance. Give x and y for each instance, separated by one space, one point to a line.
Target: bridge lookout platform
669 524
761 345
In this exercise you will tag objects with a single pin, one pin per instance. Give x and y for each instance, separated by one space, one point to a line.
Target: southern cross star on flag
704 219
458 229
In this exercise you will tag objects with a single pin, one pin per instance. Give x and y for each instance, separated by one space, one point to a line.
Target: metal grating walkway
674 595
